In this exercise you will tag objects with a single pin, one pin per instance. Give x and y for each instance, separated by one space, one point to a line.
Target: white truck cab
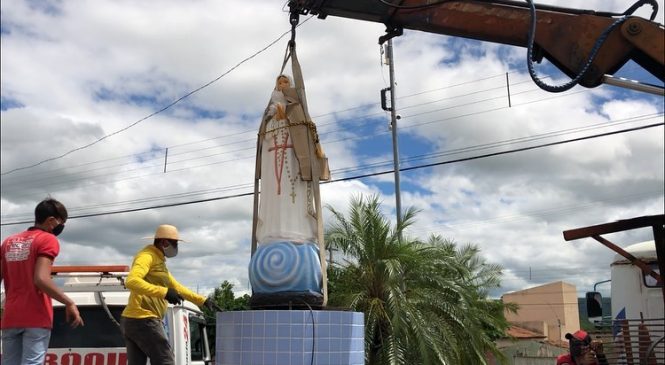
636 294
634 332
101 296
637 322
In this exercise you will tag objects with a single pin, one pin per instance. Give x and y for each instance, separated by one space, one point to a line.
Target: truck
636 322
101 296
634 331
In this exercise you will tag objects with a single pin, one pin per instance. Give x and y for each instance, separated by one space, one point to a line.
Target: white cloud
77 71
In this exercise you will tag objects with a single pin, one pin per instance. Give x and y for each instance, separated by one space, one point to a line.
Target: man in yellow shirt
151 286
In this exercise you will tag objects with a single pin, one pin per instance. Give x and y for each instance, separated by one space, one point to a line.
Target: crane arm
563 36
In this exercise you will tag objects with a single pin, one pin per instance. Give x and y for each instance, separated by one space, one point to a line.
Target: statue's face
283 83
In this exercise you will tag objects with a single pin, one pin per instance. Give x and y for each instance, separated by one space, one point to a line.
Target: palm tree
424 302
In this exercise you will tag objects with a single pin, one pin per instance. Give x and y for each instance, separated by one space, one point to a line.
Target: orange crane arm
563 36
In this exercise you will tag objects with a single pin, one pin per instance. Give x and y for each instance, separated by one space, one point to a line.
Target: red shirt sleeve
48 246
564 360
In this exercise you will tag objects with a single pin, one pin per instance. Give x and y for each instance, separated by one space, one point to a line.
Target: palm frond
425 302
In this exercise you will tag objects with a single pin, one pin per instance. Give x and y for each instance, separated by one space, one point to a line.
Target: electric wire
344 170
531 6
532 73
359 118
536 146
533 137
168 106
362 117
365 175
494 144
59 173
31 179
347 139
163 197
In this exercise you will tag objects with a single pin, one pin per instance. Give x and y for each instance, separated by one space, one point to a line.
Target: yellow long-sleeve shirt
148 281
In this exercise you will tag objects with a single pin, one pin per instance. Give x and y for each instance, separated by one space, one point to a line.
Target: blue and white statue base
286 275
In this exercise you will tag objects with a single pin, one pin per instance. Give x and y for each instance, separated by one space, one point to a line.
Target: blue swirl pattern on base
285 266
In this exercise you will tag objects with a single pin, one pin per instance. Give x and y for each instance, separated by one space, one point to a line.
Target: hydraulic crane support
564 36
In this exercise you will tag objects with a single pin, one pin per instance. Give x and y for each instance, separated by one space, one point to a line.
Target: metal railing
633 341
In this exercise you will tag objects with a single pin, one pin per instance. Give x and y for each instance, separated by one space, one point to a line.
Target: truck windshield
99 330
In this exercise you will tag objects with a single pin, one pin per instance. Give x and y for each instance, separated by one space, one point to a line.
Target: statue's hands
281 112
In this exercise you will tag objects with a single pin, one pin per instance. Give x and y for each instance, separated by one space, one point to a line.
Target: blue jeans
24 346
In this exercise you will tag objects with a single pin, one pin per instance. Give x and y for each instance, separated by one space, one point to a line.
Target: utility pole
393 126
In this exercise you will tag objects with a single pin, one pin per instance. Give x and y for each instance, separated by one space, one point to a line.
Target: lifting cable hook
294 18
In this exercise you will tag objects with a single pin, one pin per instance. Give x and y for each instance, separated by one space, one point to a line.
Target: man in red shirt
583 351
26 260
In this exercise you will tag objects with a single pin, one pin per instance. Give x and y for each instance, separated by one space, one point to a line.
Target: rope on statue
315 135
312 128
290 53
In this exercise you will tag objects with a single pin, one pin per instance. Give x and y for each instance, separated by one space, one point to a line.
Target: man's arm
42 280
186 293
135 279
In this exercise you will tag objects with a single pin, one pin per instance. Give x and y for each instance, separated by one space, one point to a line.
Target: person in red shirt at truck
583 351
26 259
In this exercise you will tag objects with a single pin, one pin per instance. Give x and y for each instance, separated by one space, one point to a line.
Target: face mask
58 229
170 250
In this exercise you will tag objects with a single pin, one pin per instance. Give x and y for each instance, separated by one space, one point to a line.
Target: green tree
224 297
425 302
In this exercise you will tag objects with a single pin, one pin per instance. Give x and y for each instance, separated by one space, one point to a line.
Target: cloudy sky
75 72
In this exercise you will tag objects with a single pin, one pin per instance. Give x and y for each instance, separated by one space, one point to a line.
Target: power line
493 144
32 180
367 116
368 175
242 149
158 111
346 139
366 166
349 169
362 117
407 159
530 138
534 147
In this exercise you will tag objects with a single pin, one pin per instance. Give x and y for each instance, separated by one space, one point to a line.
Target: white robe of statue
286 211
